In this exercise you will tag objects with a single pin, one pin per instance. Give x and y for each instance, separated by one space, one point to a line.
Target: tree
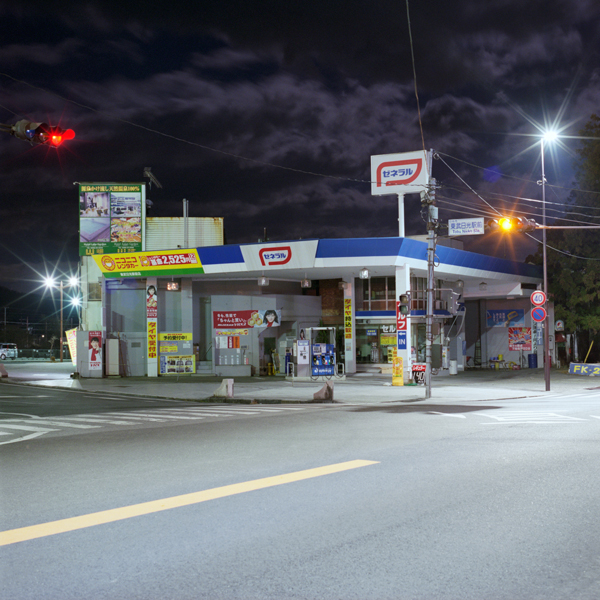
573 255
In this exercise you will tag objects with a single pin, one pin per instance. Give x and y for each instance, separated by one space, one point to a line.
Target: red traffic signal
511 224
41 133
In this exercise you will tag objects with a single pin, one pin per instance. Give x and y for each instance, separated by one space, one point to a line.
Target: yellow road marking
22 534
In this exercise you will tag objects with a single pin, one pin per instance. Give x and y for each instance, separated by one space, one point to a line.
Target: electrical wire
412 54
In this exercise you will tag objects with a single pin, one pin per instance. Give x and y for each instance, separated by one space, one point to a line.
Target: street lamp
548 136
50 282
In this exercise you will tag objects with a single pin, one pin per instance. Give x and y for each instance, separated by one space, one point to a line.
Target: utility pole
428 202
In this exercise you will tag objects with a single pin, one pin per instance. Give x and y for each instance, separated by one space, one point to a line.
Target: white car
8 351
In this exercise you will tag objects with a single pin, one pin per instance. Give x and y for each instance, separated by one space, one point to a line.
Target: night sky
267 113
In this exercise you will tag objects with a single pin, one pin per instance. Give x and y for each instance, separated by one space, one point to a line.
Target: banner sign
72 341
239 319
505 318
405 173
111 217
348 318
519 338
144 264
95 350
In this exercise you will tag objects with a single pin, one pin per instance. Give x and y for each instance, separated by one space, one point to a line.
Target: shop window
376 293
374 342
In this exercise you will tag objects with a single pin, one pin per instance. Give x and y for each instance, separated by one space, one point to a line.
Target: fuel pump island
315 361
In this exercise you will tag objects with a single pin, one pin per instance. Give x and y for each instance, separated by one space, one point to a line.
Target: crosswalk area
27 427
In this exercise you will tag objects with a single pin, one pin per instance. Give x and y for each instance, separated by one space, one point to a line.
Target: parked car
8 351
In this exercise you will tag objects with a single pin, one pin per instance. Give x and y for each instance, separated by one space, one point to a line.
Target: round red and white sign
538 298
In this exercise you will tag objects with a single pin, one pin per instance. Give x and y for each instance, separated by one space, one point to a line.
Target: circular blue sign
538 314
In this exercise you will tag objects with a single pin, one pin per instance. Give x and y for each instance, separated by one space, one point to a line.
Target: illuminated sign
275 256
404 173
143 264
111 217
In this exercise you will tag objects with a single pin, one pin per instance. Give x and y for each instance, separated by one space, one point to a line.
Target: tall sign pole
545 261
428 199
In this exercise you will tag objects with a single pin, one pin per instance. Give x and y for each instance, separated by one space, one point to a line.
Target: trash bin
532 361
453 367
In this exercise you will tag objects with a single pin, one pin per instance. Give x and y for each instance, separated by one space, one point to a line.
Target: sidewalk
468 386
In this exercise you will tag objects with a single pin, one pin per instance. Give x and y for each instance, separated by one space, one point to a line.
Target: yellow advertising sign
144 264
174 337
397 369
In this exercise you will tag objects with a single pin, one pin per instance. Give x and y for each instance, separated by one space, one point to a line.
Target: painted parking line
22 534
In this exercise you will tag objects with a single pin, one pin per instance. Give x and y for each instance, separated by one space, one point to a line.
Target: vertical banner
152 325
397 368
72 341
348 318
95 350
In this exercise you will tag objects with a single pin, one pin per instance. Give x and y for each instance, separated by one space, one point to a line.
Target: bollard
225 390
325 393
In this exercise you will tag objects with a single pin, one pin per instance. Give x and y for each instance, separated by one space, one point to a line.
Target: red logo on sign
275 256
399 172
401 322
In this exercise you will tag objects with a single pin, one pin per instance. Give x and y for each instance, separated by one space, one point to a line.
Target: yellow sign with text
144 264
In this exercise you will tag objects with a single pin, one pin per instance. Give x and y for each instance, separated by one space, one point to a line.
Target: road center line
22 534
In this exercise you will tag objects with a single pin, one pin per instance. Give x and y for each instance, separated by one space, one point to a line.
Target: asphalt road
413 501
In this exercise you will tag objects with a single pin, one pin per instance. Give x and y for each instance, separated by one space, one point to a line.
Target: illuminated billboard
111 217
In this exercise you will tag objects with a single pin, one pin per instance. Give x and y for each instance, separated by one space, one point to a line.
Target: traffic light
511 224
404 304
41 133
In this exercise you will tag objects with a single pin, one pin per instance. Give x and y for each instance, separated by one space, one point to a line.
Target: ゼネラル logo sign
404 173
275 256
399 172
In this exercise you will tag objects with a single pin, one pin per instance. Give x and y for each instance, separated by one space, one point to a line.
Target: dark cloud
267 114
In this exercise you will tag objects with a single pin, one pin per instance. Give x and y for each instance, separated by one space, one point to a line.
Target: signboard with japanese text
519 338
176 354
405 173
280 255
505 318
111 217
144 264
237 319
72 342
466 226
348 318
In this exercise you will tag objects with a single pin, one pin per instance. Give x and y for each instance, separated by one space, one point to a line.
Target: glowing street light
548 136
50 282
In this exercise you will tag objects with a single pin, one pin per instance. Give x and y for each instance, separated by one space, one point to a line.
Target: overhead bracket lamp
263 281
364 274
305 283
483 286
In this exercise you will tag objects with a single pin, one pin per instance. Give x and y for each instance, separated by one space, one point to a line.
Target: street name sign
466 226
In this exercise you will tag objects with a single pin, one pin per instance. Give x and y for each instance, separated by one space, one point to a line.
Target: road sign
474 226
401 340
538 314
538 298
